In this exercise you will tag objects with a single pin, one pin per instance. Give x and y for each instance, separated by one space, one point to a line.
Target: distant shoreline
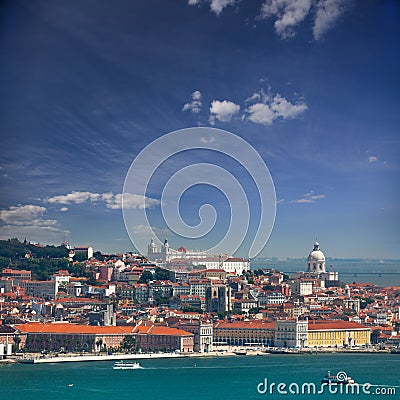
36 359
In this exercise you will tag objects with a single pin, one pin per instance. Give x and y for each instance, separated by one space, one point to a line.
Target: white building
166 253
301 287
61 277
316 266
291 333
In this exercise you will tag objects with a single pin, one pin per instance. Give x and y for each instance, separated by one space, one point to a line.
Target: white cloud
260 113
26 215
326 15
224 110
64 209
267 108
372 159
131 201
216 6
288 13
74 197
285 109
195 104
309 198
28 221
112 201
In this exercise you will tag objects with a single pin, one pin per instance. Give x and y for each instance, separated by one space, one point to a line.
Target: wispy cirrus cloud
309 197
111 201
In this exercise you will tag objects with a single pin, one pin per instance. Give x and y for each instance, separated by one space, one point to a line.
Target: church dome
316 255
316 260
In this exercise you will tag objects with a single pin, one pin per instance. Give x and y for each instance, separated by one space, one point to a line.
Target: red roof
334 325
37 327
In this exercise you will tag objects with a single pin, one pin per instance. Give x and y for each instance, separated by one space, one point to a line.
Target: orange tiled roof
37 327
334 324
66 328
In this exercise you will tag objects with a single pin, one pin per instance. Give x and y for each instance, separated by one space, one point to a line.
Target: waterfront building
162 338
202 331
36 336
291 333
7 340
244 333
337 333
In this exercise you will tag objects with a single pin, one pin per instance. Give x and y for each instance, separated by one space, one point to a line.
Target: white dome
316 255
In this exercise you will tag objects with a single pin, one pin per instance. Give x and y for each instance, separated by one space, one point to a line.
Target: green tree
161 274
145 277
128 343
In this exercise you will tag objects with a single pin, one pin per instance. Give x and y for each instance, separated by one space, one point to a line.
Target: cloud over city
111 201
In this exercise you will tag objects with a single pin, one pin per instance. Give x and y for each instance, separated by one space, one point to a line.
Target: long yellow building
337 334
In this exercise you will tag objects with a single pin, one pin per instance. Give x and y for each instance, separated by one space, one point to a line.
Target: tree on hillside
145 277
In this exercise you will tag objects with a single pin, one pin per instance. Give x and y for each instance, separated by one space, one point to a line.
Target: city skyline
311 85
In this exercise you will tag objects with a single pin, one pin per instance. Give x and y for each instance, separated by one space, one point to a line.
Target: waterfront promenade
34 358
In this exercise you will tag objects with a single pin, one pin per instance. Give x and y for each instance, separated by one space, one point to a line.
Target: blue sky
312 85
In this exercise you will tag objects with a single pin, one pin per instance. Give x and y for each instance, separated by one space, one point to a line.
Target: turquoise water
208 378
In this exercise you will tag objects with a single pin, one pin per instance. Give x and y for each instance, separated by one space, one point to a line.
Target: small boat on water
126 365
240 352
340 378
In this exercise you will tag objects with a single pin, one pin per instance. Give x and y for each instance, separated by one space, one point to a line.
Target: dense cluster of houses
135 305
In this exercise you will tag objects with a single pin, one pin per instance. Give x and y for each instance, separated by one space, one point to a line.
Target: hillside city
58 300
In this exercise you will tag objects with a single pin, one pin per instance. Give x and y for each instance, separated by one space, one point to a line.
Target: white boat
340 379
126 365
